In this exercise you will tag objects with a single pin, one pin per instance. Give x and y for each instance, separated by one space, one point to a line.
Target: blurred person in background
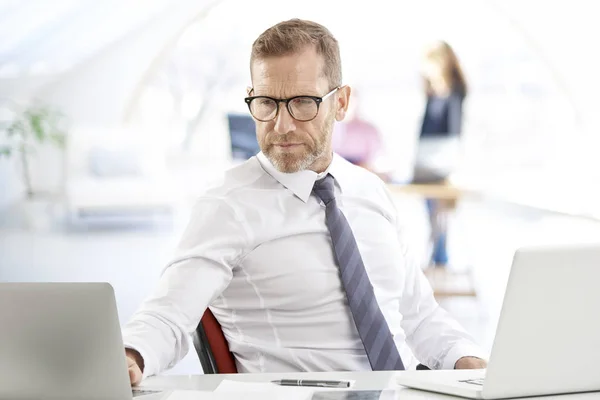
356 139
445 89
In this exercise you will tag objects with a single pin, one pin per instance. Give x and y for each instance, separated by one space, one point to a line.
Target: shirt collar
301 183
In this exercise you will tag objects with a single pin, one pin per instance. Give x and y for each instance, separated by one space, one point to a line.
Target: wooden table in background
445 281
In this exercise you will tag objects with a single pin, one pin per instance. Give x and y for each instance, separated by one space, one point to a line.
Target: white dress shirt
258 252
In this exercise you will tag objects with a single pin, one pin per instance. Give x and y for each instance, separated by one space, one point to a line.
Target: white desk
363 381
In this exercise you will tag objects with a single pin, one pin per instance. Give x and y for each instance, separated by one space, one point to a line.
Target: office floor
482 236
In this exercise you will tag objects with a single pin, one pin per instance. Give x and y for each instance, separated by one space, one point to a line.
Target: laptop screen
242 133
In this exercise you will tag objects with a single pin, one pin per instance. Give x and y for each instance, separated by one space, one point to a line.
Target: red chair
212 348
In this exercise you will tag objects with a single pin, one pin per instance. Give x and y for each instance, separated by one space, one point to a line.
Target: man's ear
343 99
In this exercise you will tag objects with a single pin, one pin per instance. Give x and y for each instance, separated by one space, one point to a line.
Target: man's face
289 144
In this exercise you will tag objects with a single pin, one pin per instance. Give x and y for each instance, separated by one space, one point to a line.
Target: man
299 254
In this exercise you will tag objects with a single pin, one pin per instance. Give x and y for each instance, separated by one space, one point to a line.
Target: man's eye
265 102
303 101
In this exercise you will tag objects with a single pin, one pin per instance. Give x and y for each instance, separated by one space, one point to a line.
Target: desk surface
363 381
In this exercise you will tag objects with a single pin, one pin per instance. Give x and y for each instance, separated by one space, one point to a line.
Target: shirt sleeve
436 339
213 242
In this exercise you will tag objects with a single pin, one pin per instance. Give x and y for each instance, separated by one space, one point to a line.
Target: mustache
279 139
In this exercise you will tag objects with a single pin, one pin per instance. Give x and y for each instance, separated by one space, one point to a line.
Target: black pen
308 382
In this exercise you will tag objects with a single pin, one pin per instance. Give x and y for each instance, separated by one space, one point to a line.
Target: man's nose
284 122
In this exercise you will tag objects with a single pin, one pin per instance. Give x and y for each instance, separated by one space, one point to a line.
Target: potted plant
29 129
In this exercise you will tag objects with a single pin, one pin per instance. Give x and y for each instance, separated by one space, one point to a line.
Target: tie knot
324 189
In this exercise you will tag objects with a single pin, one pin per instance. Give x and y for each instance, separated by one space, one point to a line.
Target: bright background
145 87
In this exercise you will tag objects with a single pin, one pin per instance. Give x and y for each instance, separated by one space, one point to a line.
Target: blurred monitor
242 133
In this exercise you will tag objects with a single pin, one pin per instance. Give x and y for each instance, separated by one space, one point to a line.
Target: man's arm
158 334
470 363
135 366
437 340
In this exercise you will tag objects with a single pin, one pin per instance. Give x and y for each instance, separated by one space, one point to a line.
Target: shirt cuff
150 365
461 350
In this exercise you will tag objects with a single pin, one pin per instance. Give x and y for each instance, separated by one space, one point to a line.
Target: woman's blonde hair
442 54
295 35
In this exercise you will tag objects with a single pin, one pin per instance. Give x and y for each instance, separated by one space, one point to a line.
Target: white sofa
117 177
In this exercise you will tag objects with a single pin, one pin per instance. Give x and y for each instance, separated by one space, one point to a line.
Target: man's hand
470 363
135 365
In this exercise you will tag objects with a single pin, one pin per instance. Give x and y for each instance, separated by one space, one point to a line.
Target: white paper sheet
192 395
232 390
228 385
251 394
265 388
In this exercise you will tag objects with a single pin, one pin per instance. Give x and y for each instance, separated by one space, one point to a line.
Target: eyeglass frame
317 100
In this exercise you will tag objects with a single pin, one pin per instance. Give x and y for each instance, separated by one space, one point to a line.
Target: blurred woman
438 150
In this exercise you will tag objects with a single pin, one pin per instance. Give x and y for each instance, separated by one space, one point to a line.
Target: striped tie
372 327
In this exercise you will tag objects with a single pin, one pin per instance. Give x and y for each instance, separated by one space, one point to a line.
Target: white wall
97 92
10 186
566 34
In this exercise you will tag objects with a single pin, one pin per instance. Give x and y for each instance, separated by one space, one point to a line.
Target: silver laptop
548 336
62 341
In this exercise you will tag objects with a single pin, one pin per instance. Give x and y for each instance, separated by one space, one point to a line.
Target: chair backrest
212 348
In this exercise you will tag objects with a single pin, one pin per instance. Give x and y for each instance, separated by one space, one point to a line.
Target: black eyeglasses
301 108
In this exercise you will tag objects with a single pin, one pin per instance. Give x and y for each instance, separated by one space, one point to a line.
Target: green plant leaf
17 128
5 151
25 148
36 120
59 139
37 123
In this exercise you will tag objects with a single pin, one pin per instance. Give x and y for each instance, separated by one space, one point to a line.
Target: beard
302 156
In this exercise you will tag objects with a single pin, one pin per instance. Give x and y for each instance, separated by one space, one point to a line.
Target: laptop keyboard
478 381
143 392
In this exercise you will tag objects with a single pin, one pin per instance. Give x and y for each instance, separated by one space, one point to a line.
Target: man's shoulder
358 178
364 184
238 178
